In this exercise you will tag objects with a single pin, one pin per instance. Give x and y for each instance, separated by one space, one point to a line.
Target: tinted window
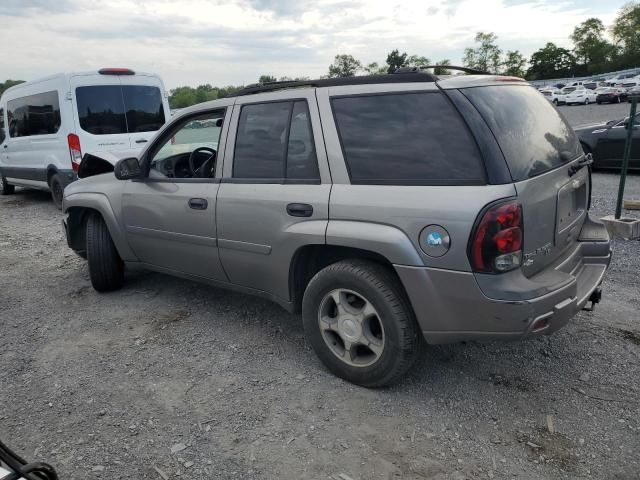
275 141
145 112
533 136
34 115
415 138
101 109
2 134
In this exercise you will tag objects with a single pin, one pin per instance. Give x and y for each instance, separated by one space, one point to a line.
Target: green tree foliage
551 62
417 61
182 97
396 60
514 64
626 34
344 66
486 56
591 50
441 68
375 69
267 79
9 84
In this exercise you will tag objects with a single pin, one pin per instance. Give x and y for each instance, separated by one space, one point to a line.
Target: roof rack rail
471 71
334 82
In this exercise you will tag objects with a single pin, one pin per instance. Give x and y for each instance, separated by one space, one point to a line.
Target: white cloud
231 42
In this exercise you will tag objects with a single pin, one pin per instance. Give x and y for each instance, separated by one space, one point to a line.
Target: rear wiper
587 160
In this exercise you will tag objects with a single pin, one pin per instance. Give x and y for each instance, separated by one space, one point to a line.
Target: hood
591 126
96 184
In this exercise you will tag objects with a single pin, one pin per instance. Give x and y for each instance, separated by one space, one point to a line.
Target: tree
590 46
267 79
344 66
374 69
514 63
417 61
485 57
396 60
626 34
439 70
182 97
9 84
551 62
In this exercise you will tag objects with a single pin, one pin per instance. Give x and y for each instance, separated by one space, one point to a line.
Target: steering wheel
195 171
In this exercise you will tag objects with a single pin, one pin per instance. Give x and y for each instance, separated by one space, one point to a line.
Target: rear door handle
141 140
299 209
198 203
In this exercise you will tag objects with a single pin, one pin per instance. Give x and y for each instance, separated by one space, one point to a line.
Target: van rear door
540 148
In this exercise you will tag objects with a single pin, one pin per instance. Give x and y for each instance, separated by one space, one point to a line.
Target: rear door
539 146
274 197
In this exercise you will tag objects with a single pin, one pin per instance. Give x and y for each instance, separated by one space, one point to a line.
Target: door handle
141 140
299 209
198 203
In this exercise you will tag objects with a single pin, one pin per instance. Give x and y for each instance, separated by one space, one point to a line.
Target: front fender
390 242
100 203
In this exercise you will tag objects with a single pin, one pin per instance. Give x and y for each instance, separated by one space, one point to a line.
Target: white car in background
583 96
553 95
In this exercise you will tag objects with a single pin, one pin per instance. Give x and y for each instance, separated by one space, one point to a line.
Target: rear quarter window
533 135
406 139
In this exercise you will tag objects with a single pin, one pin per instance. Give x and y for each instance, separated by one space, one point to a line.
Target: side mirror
127 168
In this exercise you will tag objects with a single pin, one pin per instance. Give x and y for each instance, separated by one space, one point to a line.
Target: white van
49 124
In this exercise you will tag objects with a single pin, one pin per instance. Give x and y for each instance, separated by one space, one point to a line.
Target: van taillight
496 243
75 151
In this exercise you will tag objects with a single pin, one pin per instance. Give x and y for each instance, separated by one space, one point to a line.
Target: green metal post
627 154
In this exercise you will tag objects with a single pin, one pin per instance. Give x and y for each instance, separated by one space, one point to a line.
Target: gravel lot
171 379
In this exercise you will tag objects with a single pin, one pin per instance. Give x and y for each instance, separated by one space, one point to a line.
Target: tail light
75 151
496 243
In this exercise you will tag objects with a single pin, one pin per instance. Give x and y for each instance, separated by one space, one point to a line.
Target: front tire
586 101
106 268
5 188
360 324
57 190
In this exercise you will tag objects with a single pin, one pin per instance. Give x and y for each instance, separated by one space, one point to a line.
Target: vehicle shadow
26 197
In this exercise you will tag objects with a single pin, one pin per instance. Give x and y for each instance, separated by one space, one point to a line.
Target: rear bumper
452 306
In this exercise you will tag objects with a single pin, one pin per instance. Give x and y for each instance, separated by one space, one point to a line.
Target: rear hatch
539 146
117 113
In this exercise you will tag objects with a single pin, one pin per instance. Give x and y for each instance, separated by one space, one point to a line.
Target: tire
106 268
392 327
57 190
598 102
586 101
617 99
555 102
5 188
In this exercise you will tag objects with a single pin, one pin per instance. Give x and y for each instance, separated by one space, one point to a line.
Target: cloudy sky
222 42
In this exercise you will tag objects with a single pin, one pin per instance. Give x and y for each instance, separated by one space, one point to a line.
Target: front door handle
198 203
141 140
299 209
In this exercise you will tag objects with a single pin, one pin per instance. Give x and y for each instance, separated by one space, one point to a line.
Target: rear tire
57 190
555 102
372 315
106 268
586 101
5 188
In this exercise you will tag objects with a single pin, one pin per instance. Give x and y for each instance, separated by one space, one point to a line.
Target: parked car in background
579 96
386 209
553 95
606 143
52 122
590 85
633 91
618 80
611 95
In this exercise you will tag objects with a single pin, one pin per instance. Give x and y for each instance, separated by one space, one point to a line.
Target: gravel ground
171 379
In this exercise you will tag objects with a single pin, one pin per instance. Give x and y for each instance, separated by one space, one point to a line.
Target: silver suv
386 209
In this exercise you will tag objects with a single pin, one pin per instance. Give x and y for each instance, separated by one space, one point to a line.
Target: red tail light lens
496 243
75 151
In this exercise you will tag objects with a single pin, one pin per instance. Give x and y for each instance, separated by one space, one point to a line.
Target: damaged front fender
93 165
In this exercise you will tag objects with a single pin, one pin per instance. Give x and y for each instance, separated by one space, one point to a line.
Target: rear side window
406 139
115 109
37 114
532 134
275 141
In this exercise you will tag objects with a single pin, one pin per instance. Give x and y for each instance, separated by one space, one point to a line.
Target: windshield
568 89
532 134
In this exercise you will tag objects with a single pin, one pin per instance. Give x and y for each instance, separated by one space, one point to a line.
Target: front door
170 214
274 195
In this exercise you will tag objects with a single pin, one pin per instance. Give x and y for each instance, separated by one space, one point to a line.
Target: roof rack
417 76
470 71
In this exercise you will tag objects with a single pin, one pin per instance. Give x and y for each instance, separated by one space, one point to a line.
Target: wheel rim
586 101
351 327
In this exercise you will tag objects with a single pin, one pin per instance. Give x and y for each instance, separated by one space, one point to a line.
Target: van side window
275 141
2 133
406 139
37 114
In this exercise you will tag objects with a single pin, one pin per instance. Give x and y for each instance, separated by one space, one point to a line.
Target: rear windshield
532 134
406 139
115 109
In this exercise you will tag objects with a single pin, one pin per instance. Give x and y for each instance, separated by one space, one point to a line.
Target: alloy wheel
351 327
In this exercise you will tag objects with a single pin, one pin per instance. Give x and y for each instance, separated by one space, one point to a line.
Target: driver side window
191 150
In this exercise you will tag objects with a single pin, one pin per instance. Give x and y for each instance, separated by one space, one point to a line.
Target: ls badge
435 240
